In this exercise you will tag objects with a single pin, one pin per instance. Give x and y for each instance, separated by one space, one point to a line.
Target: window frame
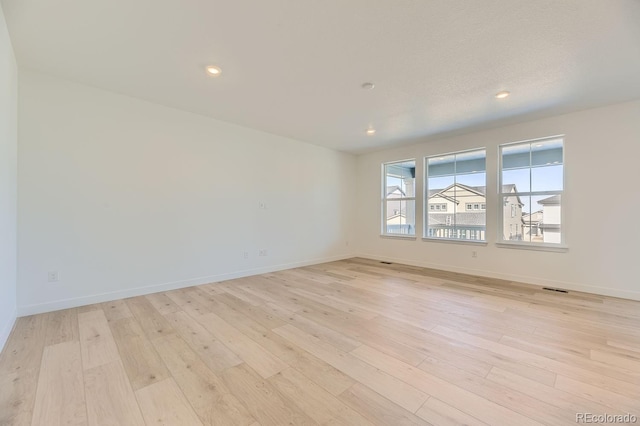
532 245
383 210
425 202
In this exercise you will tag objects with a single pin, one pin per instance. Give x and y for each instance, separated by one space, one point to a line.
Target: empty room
408 212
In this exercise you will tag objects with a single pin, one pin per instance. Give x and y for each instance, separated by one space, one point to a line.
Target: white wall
125 197
8 182
602 149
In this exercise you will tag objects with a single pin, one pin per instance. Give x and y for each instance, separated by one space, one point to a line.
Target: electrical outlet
53 277
474 254
262 252
246 254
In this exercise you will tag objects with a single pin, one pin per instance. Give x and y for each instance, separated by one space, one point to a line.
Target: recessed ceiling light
503 94
368 86
213 70
371 132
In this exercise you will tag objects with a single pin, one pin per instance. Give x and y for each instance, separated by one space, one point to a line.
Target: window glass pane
512 218
400 179
401 217
475 181
441 166
516 156
518 180
471 162
547 178
441 224
438 184
458 186
551 217
546 152
528 217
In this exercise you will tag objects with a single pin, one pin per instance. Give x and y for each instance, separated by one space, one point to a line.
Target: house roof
461 219
391 189
553 200
532 217
479 190
438 194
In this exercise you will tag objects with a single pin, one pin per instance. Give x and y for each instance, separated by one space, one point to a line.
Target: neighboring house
394 207
551 221
532 227
513 225
397 221
459 211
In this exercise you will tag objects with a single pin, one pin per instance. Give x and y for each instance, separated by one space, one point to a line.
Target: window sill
452 241
398 237
537 247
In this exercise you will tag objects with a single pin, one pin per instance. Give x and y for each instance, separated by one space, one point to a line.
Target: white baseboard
6 328
140 291
523 279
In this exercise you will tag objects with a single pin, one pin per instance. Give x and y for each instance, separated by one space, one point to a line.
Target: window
532 182
398 198
456 182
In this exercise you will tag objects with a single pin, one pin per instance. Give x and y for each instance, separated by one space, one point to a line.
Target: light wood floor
353 342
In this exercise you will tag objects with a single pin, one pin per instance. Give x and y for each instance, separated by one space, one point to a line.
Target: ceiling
295 67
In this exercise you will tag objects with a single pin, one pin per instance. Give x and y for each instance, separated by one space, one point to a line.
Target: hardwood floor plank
163 403
566 369
23 350
323 374
140 359
62 326
549 394
110 399
473 404
115 310
213 352
60 395
262 400
262 317
17 396
319 404
249 351
162 303
378 409
206 392
627 362
151 321
442 414
188 301
394 389
598 394
96 340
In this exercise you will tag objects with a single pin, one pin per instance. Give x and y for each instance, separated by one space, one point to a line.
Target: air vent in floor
555 289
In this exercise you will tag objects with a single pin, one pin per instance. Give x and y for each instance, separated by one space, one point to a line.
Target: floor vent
555 289
387 263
